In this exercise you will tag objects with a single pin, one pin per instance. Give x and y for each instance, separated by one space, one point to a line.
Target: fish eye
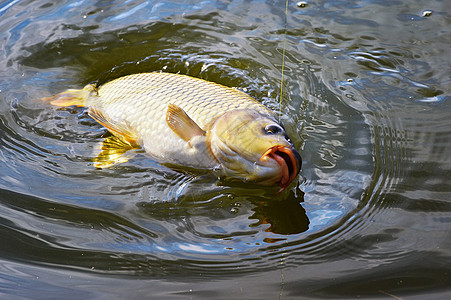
273 129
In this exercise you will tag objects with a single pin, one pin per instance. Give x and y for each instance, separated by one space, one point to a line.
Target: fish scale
141 100
188 122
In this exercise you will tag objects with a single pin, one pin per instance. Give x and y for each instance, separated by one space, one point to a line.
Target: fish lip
288 159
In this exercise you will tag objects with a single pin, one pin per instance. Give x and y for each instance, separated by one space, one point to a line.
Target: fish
189 123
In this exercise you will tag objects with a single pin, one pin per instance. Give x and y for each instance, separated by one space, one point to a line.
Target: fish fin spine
182 125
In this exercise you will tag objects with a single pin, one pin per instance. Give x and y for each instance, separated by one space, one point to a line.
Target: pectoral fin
121 130
182 124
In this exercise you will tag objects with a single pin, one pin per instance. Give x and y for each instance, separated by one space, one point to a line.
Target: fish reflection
284 217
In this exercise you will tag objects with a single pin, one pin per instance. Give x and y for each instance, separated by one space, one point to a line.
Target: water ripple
365 102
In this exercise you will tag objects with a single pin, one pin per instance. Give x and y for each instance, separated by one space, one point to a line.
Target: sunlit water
366 101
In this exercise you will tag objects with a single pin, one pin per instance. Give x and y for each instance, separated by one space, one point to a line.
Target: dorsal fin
182 124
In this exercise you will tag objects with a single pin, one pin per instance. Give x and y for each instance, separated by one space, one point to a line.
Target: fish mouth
289 161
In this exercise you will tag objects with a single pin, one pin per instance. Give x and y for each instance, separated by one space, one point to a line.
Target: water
366 100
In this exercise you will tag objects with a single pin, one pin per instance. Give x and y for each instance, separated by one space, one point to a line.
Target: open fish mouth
289 161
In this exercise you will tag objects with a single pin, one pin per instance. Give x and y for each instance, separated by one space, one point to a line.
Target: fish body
189 122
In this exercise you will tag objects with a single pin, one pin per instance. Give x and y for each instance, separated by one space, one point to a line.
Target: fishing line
283 56
281 274
282 261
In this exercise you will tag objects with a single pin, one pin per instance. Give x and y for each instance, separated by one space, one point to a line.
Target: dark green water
366 100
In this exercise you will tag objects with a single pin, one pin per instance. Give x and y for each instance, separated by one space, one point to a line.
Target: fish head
254 147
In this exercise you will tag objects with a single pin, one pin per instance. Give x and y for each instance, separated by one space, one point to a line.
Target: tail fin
71 97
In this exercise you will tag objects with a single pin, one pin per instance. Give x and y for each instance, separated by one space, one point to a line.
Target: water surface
365 99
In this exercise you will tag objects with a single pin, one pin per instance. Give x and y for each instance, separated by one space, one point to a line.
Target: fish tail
71 97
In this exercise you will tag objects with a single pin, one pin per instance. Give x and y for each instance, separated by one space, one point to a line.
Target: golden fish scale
140 102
